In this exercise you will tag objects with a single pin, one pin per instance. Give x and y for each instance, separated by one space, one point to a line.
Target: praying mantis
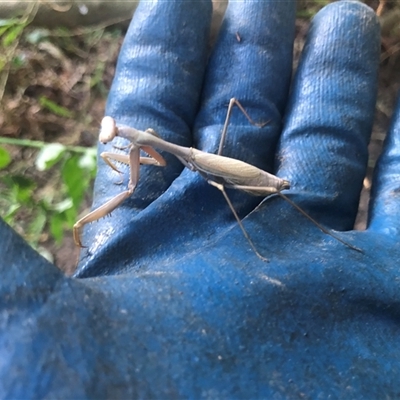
219 171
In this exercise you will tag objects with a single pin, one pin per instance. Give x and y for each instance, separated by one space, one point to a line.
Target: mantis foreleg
133 159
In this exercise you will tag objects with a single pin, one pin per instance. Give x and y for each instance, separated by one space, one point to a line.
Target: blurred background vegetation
53 87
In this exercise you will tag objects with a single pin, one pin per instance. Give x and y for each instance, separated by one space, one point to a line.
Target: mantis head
108 130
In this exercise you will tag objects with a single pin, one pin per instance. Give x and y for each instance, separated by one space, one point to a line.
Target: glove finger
160 69
251 61
157 85
257 70
323 151
384 214
159 75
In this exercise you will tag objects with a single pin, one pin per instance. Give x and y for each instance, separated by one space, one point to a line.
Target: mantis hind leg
246 235
268 191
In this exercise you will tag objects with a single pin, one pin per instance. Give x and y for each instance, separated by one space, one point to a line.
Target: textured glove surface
174 302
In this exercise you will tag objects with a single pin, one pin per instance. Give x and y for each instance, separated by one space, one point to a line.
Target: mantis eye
108 130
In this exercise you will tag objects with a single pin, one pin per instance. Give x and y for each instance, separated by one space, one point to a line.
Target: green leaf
18 61
5 158
76 179
49 155
8 22
12 35
70 216
3 29
36 226
63 205
57 227
9 215
88 160
54 108
37 35
21 187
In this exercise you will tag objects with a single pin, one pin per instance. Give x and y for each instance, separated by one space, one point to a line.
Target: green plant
38 210
10 32
52 89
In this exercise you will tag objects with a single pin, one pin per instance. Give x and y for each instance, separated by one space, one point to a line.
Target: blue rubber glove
175 303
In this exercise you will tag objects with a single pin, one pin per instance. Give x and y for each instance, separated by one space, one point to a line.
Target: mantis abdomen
235 173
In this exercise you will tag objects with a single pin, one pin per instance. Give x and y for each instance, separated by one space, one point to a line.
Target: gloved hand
175 303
